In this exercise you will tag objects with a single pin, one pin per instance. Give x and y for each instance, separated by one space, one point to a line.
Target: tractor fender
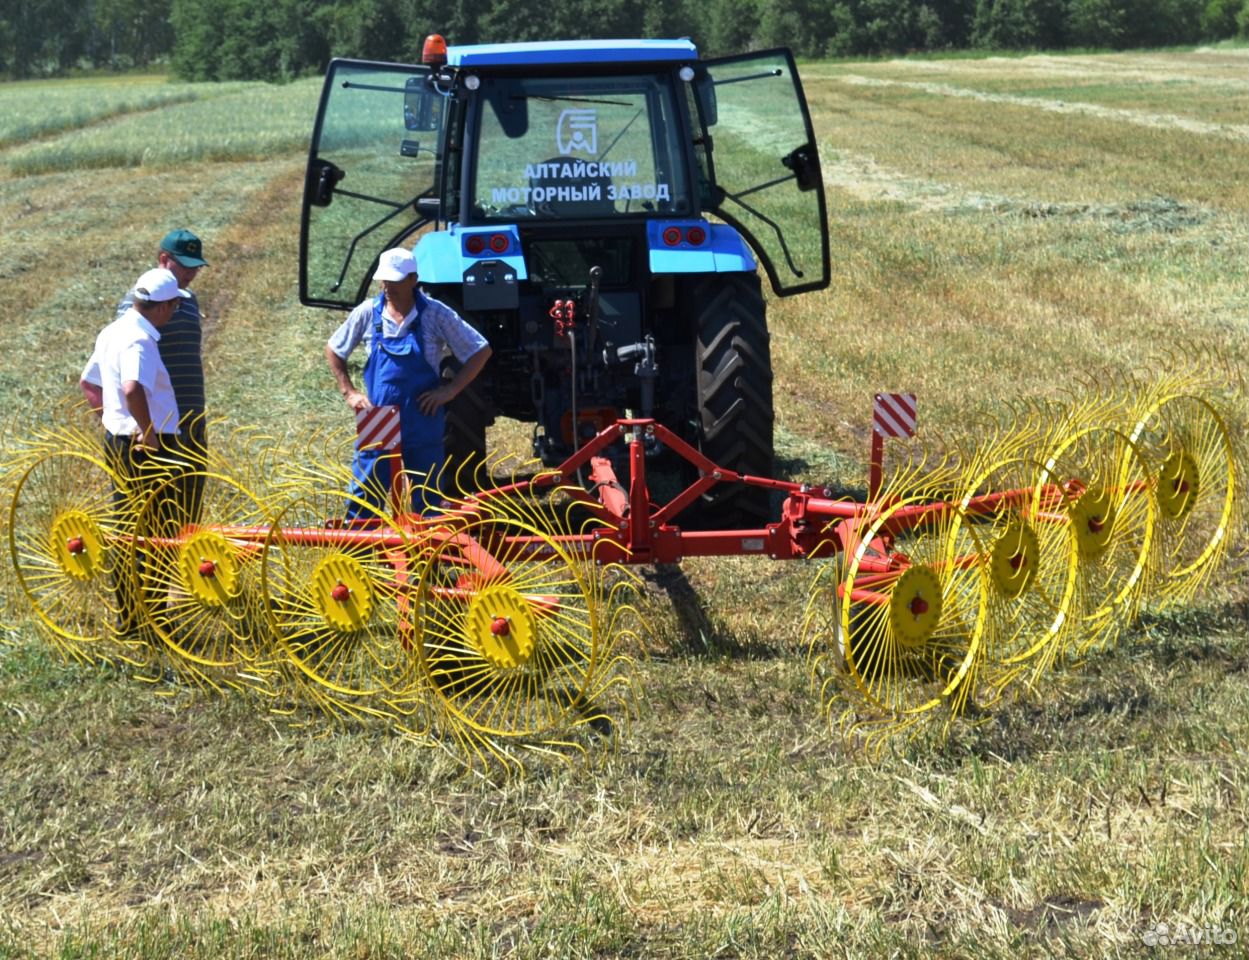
441 256
723 250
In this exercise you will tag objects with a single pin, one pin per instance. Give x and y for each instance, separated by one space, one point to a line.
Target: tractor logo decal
577 130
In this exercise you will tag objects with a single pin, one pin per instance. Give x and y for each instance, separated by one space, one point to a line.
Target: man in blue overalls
406 333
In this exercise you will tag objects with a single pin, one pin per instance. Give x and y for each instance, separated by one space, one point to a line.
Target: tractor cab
518 135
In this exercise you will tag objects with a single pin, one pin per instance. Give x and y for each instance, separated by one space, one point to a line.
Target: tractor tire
464 433
733 380
467 416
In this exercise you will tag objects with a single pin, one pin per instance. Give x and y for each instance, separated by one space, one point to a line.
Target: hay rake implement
503 625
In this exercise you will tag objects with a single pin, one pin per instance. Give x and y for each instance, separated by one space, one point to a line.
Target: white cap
157 286
396 264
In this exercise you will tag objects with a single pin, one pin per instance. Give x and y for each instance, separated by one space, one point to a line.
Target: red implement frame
634 529
638 530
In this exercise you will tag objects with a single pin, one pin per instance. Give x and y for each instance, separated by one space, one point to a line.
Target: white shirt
127 350
441 329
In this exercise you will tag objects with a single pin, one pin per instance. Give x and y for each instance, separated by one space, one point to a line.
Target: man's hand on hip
434 400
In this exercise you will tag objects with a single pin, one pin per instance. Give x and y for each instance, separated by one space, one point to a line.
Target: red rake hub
340 592
76 545
208 569
501 626
919 607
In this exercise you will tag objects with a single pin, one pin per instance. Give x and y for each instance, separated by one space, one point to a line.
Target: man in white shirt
137 404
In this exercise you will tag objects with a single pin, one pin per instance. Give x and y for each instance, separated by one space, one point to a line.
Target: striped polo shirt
181 342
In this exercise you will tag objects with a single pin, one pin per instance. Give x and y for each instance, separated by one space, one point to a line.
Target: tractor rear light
475 244
434 52
696 236
672 236
499 242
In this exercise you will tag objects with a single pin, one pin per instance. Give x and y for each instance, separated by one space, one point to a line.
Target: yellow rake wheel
336 601
1190 447
514 642
13 464
198 550
1032 569
22 449
1097 482
908 640
70 545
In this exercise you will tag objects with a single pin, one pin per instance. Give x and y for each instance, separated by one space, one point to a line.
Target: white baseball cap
396 264
157 286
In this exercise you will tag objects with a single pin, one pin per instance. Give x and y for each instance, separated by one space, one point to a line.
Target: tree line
282 39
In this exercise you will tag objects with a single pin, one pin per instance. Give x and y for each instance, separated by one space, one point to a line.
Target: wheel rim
1013 559
918 646
1196 490
520 640
1031 567
1096 482
532 679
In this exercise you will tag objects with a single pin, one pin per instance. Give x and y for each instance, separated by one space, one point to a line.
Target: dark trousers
156 484
190 448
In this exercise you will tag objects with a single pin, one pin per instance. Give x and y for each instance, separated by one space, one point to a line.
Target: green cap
185 247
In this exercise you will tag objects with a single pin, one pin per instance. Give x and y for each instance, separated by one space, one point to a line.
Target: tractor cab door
759 164
370 178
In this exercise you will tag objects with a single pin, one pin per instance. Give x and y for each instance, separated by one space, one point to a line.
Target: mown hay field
1002 229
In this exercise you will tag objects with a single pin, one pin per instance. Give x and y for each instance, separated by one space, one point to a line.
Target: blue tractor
598 210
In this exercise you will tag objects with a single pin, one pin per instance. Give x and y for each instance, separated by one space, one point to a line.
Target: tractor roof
571 52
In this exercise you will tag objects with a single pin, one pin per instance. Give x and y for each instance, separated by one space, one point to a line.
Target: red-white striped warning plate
893 414
378 428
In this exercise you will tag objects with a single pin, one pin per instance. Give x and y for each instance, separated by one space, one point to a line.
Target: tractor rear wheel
733 370
468 415
464 435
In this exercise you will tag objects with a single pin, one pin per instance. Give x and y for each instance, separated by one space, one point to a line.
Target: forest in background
283 39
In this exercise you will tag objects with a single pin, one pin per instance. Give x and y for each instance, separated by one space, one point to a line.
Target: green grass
1147 83
195 124
982 253
39 108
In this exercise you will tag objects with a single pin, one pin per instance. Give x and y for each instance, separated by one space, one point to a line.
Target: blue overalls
396 374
